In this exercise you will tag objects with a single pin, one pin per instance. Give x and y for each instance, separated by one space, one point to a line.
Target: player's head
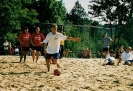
112 53
105 35
128 49
26 29
54 28
37 29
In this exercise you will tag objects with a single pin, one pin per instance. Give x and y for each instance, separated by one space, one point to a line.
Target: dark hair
26 28
111 51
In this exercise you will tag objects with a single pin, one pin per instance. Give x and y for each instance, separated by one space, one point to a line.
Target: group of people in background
35 39
9 50
110 56
86 53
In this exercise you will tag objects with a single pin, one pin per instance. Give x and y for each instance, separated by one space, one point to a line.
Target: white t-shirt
109 57
54 42
16 50
5 44
127 56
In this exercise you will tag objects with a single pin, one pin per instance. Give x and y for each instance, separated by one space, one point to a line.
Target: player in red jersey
36 39
24 39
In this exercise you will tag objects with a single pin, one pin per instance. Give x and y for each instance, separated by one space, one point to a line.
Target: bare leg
25 54
21 56
105 63
55 62
129 63
48 64
33 54
37 55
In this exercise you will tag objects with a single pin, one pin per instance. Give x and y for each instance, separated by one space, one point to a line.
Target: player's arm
31 41
74 39
119 52
45 42
19 39
111 41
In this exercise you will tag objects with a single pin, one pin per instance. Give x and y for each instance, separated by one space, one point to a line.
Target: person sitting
16 51
5 44
80 54
66 53
99 54
110 58
127 57
87 53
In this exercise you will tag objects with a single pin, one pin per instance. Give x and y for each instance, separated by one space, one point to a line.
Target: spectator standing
10 49
5 45
105 44
62 46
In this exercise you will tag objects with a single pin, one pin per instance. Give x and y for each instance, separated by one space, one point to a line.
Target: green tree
77 15
84 28
50 11
15 15
115 12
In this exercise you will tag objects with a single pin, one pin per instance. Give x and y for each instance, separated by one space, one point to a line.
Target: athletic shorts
126 62
25 48
110 62
37 48
55 56
105 49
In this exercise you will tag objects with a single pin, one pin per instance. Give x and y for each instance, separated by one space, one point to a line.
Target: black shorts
37 48
105 49
55 56
110 62
25 48
128 61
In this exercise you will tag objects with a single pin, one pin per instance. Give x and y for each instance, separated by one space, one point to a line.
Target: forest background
17 14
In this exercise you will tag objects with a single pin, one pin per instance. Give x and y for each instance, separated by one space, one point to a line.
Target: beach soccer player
36 39
24 39
52 45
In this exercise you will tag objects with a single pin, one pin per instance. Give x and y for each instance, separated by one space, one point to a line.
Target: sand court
76 75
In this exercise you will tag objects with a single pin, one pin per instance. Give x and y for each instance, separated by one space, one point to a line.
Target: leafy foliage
14 16
115 12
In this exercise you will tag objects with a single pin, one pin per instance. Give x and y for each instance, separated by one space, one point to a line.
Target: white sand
76 75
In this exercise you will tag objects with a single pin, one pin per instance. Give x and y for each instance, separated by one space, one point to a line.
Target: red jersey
37 38
25 38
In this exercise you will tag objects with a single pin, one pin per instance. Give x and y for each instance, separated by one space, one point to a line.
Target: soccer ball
57 72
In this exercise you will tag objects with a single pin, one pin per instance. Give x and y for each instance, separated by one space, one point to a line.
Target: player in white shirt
127 57
52 45
109 58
